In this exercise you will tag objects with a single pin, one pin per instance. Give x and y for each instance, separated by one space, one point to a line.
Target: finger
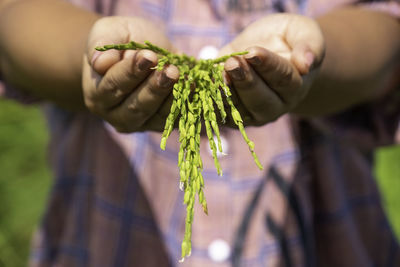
145 101
275 43
103 32
257 97
304 59
122 78
246 116
279 73
305 38
102 61
157 121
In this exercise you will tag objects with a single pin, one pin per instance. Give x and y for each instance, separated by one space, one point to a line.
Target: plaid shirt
116 202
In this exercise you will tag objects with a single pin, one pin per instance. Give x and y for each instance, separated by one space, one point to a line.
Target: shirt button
208 52
224 145
219 250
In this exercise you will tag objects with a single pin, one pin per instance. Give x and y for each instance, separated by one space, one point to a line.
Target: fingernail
144 64
309 59
253 59
165 81
235 71
227 81
96 54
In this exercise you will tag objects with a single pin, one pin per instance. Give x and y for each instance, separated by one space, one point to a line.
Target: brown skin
120 86
362 50
43 51
285 52
285 71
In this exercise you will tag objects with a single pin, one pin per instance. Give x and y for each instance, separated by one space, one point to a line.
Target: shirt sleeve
369 125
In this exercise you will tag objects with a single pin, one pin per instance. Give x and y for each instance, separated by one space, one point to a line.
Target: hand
285 52
121 86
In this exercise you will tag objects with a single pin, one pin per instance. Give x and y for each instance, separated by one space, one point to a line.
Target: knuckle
113 84
297 82
89 103
108 87
285 78
135 108
133 73
251 81
156 91
94 107
161 84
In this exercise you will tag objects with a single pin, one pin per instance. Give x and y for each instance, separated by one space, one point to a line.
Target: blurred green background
25 179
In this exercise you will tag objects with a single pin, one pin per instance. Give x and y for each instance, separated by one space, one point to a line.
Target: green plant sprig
190 107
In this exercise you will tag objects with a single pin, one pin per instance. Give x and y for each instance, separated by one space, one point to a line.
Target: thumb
106 30
305 38
102 61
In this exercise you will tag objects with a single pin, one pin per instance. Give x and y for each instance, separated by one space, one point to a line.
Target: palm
116 30
284 50
122 86
279 34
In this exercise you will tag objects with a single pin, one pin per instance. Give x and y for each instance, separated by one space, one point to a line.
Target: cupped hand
285 52
121 86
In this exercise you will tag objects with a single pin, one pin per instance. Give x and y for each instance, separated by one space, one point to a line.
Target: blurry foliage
25 179
388 173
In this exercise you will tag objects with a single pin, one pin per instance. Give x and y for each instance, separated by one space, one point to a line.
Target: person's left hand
285 52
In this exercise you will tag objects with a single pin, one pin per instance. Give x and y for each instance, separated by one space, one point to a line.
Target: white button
219 250
224 145
208 52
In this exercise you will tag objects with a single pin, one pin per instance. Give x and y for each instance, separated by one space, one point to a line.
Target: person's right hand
121 86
